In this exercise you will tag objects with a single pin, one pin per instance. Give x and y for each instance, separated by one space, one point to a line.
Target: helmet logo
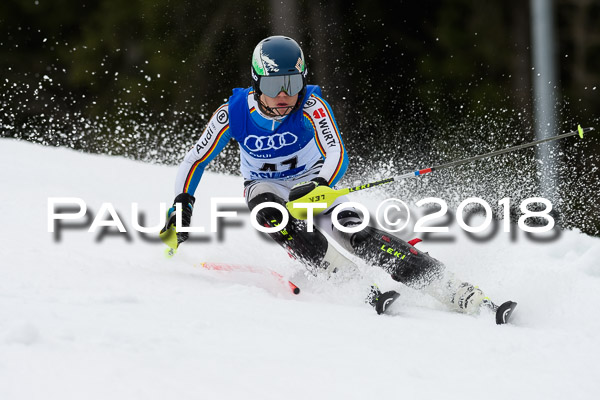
261 62
299 65
270 64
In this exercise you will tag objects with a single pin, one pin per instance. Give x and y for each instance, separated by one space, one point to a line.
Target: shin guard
402 261
308 247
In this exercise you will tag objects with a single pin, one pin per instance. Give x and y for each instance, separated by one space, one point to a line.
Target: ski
503 312
381 301
386 300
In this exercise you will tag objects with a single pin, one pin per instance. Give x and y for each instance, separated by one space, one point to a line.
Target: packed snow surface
107 316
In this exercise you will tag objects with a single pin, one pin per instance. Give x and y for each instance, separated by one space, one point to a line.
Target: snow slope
88 319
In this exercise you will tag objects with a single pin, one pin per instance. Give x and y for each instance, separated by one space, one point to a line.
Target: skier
289 145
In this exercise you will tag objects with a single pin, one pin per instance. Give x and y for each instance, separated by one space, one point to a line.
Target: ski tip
504 312
580 130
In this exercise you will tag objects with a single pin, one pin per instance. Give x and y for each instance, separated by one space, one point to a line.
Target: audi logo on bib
271 142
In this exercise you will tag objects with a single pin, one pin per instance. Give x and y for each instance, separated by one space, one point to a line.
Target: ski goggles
273 85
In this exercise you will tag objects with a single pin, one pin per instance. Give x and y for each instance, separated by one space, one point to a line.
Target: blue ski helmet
278 65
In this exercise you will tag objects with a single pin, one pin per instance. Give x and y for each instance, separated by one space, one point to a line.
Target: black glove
304 188
187 207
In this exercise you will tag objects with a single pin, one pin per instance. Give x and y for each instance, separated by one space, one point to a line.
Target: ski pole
325 196
247 268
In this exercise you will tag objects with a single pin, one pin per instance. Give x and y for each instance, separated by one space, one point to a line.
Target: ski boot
468 299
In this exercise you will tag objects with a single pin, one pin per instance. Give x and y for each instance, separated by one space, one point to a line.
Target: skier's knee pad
346 218
349 217
403 262
308 247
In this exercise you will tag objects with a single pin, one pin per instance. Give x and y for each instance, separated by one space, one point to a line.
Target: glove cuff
320 181
185 199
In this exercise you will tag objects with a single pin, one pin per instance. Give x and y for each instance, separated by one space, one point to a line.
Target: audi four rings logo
272 142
